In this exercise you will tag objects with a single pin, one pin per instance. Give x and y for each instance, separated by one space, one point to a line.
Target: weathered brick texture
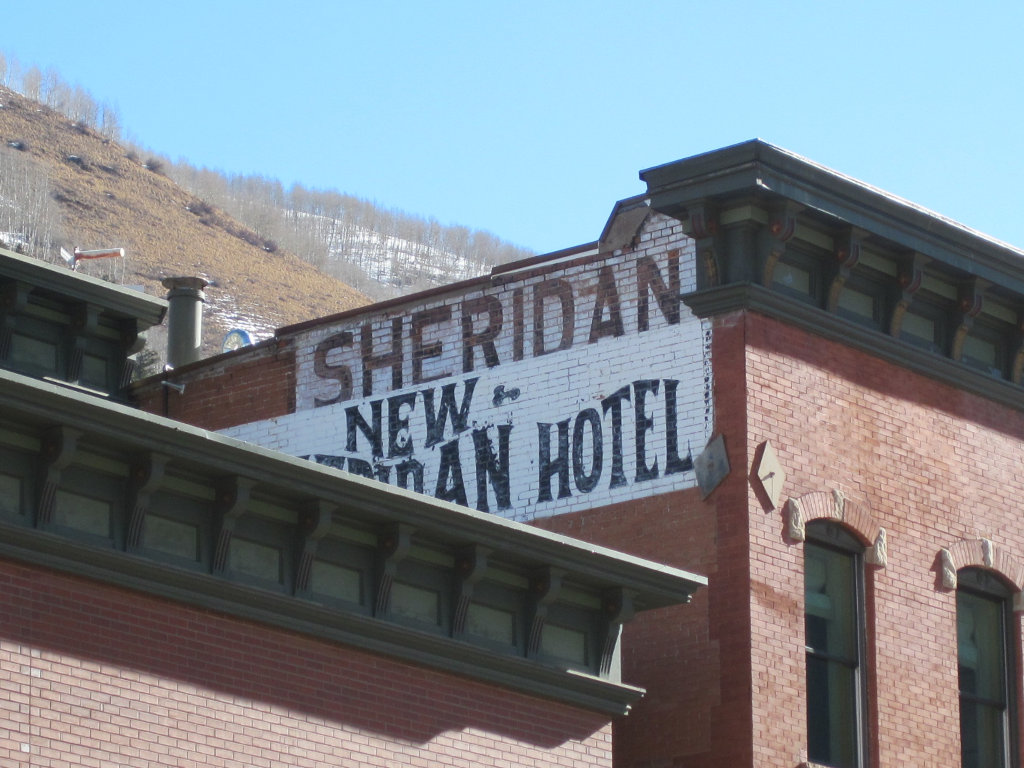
99 676
226 392
933 466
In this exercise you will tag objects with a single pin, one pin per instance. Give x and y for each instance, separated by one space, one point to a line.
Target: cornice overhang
365 633
615 584
758 169
751 297
119 302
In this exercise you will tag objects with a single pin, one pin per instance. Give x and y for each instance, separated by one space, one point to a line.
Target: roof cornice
118 301
758 168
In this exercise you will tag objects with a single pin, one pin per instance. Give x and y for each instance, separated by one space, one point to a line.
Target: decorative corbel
704 230
84 322
878 553
988 557
313 526
13 299
910 277
146 476
847 255
618 609
60 444
796 527
545 587
969 303
232 500
470 566
393 545
132 340
949 579
780 230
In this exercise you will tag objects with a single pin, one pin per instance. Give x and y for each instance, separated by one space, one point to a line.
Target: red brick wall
97 676
226 393
933 465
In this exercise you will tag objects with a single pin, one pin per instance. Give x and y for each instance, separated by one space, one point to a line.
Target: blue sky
530 119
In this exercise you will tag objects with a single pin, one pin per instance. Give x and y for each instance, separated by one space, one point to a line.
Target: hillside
106 196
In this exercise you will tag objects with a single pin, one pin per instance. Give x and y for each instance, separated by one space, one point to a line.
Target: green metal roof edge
123 301
655 584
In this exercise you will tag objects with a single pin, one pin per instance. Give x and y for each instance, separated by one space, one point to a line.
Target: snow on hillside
400 263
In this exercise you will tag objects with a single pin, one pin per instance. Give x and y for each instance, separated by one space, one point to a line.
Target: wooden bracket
470 566
780 230
847 254
232 501
911 275
146 476
618 609
545 587
314 525
704 230
970 299
60 444
393 545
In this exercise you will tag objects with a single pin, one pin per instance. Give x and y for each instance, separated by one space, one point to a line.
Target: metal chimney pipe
185 299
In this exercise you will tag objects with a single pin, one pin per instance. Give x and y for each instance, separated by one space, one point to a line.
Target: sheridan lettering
537 318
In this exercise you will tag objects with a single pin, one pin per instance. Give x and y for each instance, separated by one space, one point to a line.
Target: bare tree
28 214
110 122
31 83
81 107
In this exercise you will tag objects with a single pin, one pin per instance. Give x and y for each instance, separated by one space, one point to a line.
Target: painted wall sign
547 390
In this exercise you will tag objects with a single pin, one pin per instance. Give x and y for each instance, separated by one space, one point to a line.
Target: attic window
983 352
792 278
798 274
920 330
859 307
926 325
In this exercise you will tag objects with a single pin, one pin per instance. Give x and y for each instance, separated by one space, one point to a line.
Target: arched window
834 626
986 679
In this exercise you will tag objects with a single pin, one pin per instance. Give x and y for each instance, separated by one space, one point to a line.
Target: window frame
980 583
830 536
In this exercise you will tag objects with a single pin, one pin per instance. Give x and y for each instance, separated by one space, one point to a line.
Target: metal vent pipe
185 299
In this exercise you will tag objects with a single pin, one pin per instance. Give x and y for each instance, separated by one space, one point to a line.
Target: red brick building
176 597
763 371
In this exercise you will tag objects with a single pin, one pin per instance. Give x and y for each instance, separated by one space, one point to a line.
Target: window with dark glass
799 274
834 638
984 667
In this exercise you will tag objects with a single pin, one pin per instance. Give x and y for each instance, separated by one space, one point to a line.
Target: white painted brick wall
552 388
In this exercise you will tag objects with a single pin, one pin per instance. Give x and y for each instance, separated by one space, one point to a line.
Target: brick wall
933 465
930 464
259 384
92 675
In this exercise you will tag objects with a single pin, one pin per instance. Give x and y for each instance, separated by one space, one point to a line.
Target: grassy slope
110 199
